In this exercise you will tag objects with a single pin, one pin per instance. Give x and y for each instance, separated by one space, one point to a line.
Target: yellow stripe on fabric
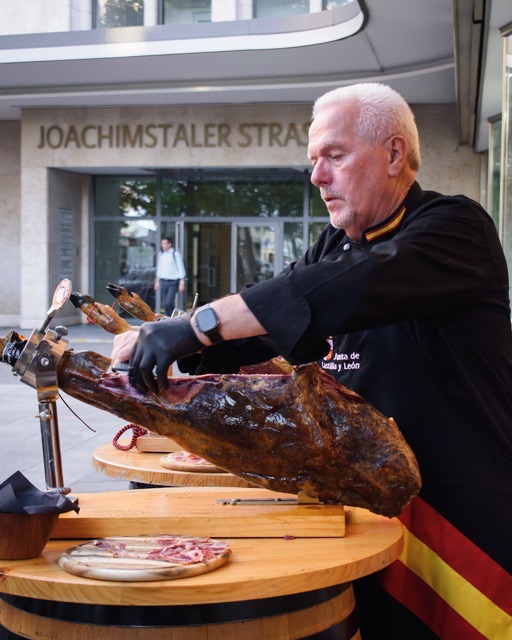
392 224
476 608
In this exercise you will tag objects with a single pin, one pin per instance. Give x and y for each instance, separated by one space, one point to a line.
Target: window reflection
316 204
234 196
293 242
494 169
130 13
119 13
235 226
125 255
275 8
127 197
506 184
334 4
187 11
315 229
255 254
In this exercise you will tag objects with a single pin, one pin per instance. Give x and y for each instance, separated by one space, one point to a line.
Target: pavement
20 431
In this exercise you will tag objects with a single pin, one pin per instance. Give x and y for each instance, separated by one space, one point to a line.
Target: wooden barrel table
143 469
273 588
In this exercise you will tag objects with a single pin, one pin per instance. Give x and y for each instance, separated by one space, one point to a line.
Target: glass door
174 231
221 258
254 248
125 254
208 261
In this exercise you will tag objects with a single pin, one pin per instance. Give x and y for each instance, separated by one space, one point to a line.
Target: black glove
160 344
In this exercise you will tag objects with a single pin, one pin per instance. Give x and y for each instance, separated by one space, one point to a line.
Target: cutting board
201 511
144 559
154 443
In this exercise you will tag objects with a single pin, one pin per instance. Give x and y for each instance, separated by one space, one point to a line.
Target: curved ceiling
409 45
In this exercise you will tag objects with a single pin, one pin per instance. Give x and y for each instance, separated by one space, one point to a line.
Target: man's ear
397 148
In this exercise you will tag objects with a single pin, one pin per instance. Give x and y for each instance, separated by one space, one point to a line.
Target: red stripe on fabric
410 590
386 228
468 560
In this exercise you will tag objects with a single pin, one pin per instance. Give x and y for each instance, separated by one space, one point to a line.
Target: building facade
89 190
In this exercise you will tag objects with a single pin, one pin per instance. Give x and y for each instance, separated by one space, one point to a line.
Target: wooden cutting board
144 559
154 443
201 511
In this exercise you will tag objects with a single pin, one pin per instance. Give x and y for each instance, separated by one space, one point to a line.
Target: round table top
140 466
259 568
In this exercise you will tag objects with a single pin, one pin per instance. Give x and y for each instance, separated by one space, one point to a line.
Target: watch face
206 319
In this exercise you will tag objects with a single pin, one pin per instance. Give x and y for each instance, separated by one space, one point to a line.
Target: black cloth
227 357
417 318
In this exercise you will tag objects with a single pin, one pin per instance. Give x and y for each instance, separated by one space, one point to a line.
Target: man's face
166 245
351 175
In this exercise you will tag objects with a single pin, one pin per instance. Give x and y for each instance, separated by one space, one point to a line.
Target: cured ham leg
289 432
100 314
133 304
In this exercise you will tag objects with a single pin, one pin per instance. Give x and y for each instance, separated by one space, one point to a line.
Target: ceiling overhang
287 60
199 38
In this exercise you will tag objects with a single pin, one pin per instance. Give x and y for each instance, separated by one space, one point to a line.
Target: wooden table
144 467
274 588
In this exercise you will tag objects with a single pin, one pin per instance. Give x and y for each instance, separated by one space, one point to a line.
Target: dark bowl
24 536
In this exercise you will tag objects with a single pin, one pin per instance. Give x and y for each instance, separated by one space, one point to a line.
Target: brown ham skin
289 432
100 314
133 304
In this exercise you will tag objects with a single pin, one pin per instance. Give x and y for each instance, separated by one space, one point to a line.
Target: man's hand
123 345
159 344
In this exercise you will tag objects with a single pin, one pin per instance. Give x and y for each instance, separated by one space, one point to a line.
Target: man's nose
320 174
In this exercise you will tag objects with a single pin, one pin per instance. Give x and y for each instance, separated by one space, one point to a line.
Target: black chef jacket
417 320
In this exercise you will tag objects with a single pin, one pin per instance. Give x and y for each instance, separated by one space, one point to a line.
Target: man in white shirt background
170 274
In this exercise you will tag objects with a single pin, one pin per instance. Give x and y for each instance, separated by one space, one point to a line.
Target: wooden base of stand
279 588
145 467
328 611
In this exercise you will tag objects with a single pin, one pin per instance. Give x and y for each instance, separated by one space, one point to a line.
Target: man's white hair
382 113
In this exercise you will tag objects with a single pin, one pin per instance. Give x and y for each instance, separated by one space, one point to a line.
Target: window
243 194
334 4
494 170
118 13
317 206
125 254
126 197
187 11
208 212
506 170
275 8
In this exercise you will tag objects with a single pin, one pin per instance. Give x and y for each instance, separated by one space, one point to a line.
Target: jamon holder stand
37 366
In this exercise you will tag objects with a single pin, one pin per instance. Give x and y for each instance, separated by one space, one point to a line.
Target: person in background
170 275
404 298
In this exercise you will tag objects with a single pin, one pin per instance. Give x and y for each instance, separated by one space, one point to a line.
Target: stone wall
447 166
10 237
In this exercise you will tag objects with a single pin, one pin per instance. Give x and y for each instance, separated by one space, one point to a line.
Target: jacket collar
391 224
